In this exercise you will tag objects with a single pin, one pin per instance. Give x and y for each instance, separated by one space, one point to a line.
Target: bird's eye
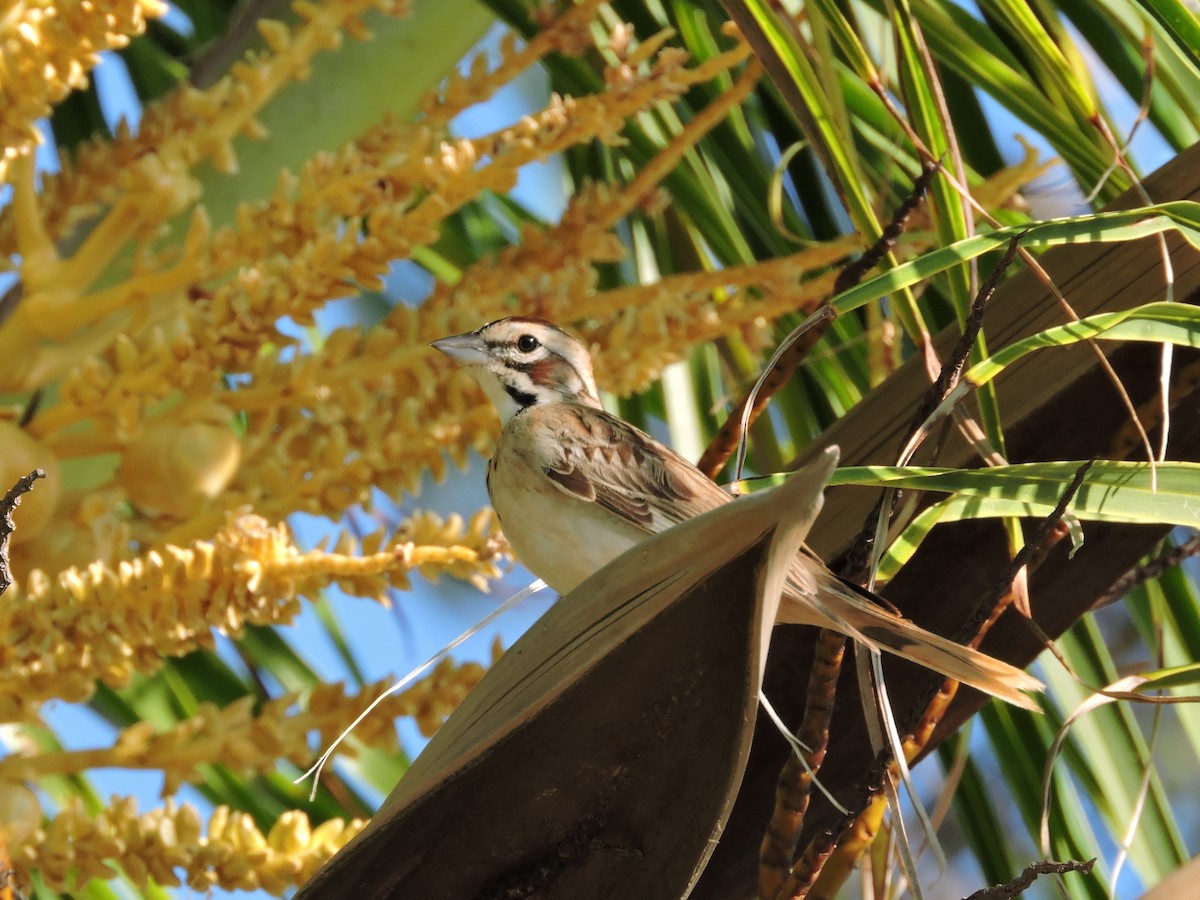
527 343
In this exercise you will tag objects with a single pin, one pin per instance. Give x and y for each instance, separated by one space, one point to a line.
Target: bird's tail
849 609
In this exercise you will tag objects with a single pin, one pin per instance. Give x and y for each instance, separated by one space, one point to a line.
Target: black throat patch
520 398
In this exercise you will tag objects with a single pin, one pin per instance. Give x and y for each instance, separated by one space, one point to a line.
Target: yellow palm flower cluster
60 634
245 740
79 844
47 50
310 431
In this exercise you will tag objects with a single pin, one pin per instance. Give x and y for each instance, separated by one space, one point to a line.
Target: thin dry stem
1019 884
852 274
1149 571
10 502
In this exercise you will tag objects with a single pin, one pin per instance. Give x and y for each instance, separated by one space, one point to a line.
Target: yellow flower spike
75 628
48 50
454 178
188 125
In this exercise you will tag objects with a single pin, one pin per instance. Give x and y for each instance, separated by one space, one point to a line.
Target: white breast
559 538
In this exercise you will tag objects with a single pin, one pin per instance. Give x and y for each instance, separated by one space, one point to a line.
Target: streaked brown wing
604 460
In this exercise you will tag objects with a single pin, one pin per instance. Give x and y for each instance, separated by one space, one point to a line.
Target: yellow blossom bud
275 33
291 832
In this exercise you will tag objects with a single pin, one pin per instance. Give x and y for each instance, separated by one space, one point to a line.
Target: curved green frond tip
1173 677
1161 323
1182 216
1112 491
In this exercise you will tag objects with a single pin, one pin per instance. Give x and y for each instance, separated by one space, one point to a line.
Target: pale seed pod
20 454
20 813
175 467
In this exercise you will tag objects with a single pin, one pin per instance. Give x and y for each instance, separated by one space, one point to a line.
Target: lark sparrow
574 487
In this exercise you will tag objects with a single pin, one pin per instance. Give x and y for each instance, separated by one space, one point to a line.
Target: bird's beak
464 348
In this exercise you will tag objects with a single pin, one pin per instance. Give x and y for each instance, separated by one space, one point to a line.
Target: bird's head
522 362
